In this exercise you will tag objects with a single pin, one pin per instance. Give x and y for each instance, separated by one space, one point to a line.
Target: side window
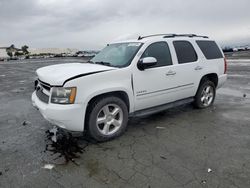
209 49
185 52
161 52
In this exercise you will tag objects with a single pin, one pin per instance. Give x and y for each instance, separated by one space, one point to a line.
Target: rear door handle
198 68
170 73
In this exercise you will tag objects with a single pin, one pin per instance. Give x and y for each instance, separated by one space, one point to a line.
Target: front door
153 85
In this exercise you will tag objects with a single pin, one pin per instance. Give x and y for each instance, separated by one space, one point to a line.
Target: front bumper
70 116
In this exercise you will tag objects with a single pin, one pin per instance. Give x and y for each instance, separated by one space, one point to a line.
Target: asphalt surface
181 147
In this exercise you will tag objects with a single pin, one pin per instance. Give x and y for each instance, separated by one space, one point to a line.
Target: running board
160 108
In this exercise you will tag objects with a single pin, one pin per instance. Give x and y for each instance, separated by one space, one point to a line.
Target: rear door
188 68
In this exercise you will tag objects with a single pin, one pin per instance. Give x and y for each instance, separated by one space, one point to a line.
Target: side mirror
146 62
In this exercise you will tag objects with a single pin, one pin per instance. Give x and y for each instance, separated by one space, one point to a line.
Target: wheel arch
213 77
118 93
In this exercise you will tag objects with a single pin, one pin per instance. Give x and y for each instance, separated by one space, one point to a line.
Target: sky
91 24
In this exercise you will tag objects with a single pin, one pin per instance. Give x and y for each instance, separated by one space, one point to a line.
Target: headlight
61 95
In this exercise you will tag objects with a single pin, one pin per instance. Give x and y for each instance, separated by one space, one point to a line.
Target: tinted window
185 52
209 49
160 51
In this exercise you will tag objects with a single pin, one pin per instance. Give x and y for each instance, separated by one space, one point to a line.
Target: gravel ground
181 147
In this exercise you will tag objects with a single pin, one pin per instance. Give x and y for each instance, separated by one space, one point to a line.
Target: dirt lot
182 147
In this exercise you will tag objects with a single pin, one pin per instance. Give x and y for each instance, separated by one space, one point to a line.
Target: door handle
170 73
198 68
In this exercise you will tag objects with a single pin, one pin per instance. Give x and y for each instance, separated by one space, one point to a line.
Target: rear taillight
225 65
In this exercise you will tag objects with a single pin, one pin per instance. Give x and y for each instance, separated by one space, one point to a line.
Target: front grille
43 97
40 87
45 85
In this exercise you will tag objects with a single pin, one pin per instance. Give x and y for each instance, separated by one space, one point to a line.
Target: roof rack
142 37
172 35
185 35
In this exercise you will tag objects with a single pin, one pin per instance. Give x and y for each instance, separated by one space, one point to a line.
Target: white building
52 50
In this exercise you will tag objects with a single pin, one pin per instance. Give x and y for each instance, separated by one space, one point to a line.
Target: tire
107 118
205 95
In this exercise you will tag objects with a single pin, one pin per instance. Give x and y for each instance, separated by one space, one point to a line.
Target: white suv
130 78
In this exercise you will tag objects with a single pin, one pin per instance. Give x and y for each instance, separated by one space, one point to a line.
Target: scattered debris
49 166
64 144
203 181
26 123
209 170
163 157
53 133
244 95
158 127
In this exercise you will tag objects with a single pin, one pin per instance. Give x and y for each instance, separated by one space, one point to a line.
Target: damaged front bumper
70 116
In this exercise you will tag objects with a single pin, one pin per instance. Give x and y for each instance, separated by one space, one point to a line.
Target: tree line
13 51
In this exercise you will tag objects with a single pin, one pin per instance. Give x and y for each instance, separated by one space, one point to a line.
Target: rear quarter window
210 49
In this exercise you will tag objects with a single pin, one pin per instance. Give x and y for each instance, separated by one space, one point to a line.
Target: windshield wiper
89 61
103 63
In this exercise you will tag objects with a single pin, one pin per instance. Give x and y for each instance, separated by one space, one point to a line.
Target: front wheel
205 95
107 119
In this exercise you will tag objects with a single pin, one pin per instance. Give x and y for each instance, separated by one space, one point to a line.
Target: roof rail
142 37
172 35
186 35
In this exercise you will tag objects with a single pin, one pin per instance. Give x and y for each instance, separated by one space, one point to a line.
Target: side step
160 108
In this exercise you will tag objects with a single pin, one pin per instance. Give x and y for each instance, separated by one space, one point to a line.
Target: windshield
117 55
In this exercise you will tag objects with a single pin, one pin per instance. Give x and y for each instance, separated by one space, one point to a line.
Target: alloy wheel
207 95
109 119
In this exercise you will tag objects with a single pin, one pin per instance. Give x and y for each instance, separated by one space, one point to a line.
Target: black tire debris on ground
26 123
66 145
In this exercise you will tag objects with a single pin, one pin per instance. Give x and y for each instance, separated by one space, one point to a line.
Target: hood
57 75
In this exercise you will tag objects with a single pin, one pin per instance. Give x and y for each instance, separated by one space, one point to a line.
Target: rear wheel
205 95
107 118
